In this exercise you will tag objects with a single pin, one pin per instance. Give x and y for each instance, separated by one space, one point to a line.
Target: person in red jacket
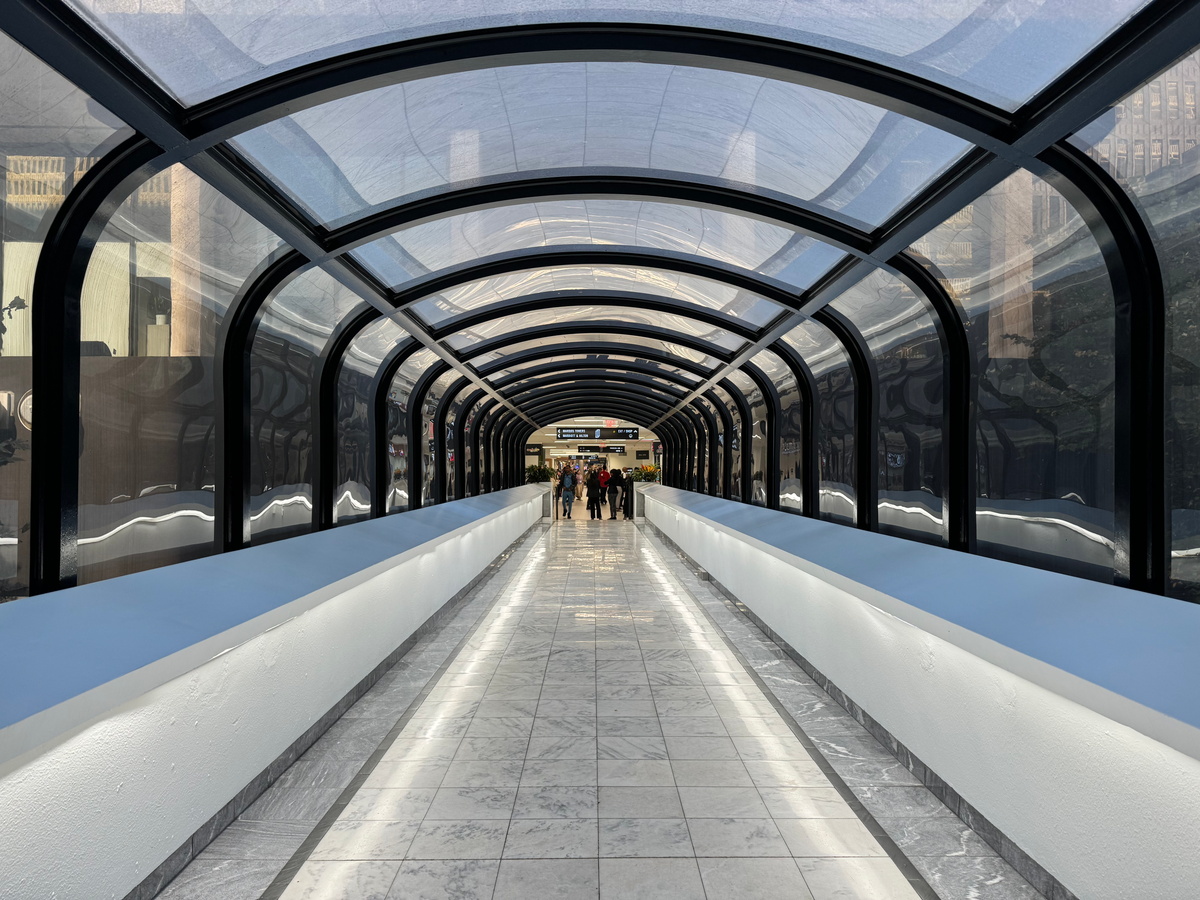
604 476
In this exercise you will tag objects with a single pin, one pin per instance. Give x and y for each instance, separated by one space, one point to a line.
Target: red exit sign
610 423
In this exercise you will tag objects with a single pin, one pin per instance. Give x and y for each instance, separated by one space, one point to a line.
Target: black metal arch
565 329
416 432
380 467
809 474
614 369
567 382
570 299
597 350
1132 55
601 255
569 377
866 416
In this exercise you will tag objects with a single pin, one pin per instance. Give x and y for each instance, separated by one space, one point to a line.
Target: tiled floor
598 736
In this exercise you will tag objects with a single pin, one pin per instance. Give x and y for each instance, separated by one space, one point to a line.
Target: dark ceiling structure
910 273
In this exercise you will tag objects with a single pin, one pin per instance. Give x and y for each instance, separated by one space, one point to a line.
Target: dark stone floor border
166 871
1025 865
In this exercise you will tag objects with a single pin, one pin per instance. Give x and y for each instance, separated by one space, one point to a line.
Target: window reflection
753 395
791 434
731 443
51 133
1168 192
1030 283
899 329
835 400
161 277
397 444
428 450
295 326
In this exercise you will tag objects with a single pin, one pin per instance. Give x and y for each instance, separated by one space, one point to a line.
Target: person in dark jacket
593 492
616 489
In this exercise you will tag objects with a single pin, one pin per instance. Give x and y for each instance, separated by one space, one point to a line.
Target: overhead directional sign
615 449
597 434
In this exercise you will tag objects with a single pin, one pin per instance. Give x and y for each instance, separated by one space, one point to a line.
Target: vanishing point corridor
593 733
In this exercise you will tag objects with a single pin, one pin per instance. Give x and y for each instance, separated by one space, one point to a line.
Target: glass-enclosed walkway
597 722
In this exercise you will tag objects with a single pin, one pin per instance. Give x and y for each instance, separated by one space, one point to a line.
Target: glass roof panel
589 315
345 157
719 235
772 365
616 360
886 311
373 343
750 308
306 310
585 341
1004 52
817 346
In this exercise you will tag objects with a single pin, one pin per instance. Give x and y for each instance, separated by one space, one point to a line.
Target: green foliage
538 474
645 473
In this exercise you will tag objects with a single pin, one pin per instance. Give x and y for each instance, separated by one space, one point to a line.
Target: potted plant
538 474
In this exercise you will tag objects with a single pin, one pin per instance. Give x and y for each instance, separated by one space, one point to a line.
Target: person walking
593 494
616 489
566 485
604 476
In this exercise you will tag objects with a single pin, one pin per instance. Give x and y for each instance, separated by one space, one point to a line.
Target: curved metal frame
416 433
1130 56
866 417
381 470
810 487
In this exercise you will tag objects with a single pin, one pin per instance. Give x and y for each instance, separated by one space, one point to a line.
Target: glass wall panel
1032 287
715 460
758 435
791 434
471 459
51 133
731 443
350 155
899 329
739 304
585 315
160 279
713 234
296 324
451 424
1148 142
198 53
428 450
355 478
399 409
831 371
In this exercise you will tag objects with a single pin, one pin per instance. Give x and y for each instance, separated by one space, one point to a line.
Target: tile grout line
890 847
292 867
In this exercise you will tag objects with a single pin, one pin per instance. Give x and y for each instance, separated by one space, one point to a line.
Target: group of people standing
603 488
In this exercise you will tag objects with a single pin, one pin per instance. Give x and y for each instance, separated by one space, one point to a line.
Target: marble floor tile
722 802
348 840
829 837
206 878
259 840
451 879
343 880
472 803
635 772
859 879
736 837
551 839
753 879
459 839
548 879
556 802
640 803
645 838
650 879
